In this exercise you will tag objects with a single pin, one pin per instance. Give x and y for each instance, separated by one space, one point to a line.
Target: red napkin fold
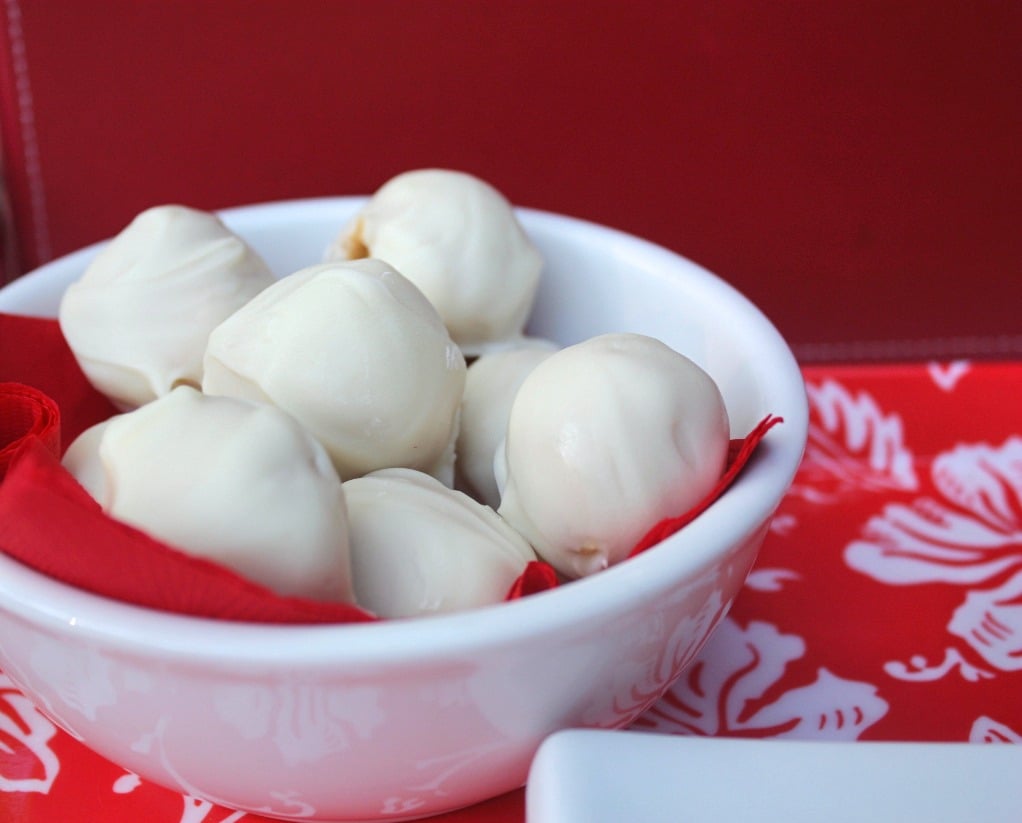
51 524
26 412
33 351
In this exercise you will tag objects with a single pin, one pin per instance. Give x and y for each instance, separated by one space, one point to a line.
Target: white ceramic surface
403 719
597 777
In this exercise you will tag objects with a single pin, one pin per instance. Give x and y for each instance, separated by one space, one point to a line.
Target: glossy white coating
490 388
604 439
356 353
138 317
408 718
237 482
457 238
420 548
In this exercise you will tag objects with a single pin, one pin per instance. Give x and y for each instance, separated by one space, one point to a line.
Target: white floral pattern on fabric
946 375
27 762
770 580
990 621
202 811
988 730
919 670
971 538
737 668
853 445
917 526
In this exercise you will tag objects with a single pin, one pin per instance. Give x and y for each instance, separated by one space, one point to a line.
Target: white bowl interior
629 285
521 669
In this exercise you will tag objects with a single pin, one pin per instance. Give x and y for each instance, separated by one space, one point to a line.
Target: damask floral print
886 604
731 676
853 445
988 730
969 537
27 762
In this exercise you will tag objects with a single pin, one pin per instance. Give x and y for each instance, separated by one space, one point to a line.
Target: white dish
597 777
399 720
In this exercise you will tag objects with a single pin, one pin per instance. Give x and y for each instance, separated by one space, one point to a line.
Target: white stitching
29 137
911 349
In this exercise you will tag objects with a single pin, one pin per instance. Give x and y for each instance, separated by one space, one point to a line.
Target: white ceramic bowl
404 719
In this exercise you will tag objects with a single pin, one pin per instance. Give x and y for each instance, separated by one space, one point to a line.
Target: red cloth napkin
51 524
26 413
33 351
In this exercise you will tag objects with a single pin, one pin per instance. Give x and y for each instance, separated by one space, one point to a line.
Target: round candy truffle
357 354
605 439
490 387
239 483
456 238
138 318
419 548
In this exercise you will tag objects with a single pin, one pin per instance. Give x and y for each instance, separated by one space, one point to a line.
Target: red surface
884 604
26 412
852 166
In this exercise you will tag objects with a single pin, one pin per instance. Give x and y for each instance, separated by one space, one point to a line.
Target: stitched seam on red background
27 127
995 345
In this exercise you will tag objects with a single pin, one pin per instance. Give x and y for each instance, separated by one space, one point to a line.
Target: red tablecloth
886 603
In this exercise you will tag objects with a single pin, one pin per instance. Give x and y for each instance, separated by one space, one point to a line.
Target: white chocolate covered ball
491 384
239 483
138 318
605 439
357 354
458 239
420 548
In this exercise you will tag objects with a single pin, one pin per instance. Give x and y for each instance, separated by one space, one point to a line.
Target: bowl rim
33 598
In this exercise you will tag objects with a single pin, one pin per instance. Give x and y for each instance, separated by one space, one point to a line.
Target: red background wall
852 166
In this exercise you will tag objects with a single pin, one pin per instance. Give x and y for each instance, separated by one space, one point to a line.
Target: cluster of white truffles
308 432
